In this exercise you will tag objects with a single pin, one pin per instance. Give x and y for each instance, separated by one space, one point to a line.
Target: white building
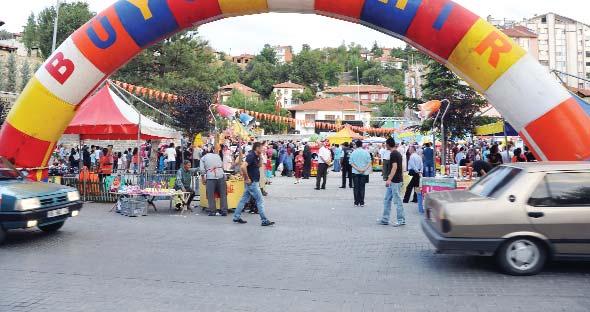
285 92
564 45
284 54
340 108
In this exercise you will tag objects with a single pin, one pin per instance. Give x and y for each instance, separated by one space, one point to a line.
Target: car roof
551 166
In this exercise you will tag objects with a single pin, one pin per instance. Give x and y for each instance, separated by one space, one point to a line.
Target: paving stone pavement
323 255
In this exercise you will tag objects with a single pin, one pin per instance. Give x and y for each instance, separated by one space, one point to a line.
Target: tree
227 73
25 74
305 96
178 64
376 50
30 34
261 75
191 112
2 75
71 17
11 73
305 68
5 35
465 102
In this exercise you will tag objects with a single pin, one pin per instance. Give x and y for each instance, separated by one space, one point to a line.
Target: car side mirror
511 198
25 173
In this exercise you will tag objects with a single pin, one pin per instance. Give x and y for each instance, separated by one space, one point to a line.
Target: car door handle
536 215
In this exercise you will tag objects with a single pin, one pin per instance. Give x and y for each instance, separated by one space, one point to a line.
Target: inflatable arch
550 120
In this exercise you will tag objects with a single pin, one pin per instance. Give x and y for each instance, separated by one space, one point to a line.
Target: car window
493 184
565 189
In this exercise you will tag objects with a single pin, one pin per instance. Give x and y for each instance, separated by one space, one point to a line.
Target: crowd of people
260 162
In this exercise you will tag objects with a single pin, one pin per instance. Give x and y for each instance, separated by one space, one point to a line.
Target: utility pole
55 26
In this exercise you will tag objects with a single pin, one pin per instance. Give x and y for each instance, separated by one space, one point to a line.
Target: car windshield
496 182
7 170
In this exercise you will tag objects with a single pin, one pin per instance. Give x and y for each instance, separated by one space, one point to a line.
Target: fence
96 189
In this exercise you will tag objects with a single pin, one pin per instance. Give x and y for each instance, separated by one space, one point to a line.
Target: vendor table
154 196
235 190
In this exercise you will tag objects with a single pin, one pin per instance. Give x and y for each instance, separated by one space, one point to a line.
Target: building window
374 97
349 117
330 117
588 64
544 20
385 96
587 53
309 117
286 101
364 96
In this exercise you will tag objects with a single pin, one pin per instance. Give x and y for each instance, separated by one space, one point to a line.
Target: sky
248 34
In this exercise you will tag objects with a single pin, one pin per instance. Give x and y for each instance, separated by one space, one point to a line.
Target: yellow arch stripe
484 54
241 7
40 114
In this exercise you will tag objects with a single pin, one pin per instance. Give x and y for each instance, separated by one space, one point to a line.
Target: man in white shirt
171 157
324 161
415 169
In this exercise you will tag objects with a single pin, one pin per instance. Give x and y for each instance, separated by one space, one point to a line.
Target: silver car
524 214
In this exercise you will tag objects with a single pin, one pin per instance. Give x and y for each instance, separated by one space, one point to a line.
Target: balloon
226 111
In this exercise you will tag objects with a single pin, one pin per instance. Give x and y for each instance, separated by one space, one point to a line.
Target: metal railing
97 189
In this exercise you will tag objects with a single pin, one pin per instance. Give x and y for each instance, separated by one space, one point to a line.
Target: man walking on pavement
250 170
324 159
213 177
345 165
360 160
394 187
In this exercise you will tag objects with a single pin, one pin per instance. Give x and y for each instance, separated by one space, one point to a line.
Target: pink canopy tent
105 116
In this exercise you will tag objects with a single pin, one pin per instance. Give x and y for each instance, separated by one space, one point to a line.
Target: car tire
522 256
51 228
2 235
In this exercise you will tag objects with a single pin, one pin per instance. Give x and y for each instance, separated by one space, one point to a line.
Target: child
268 169
299 161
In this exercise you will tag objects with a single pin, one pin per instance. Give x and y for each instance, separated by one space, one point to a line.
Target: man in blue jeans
394 187
251 172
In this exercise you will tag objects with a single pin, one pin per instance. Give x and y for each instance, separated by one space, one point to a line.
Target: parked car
524 214
26 204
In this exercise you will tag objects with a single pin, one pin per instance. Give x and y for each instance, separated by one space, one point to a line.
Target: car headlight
73 196
28 204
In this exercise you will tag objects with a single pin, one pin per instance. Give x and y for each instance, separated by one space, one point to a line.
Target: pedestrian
394 187
345 165
251 172
86 159
213 178
170 157
518 156
135 160
337 158
197 152
494 157
384 154
105 166
120 161
183 183
428 161
74 159
306 162
415 169
324 160
459 157
360 161
299 162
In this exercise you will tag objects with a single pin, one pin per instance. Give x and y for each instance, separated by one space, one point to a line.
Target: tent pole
119 89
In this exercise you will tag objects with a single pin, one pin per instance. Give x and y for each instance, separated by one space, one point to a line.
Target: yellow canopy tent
344 135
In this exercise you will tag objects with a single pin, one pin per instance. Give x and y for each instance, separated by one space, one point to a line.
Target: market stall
344 135
235 190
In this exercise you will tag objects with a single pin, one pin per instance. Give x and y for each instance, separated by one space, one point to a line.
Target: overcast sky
249 33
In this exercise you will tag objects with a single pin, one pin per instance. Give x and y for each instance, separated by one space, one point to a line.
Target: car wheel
522 256
2 235
52 228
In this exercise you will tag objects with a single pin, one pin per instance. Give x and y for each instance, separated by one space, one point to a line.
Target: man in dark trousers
345 165
250 170
324 161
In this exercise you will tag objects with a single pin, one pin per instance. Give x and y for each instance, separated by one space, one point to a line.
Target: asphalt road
323 255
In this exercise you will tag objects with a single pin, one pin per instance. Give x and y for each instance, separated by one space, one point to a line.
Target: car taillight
445 225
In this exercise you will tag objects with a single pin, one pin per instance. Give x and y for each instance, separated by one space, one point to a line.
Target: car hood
26 189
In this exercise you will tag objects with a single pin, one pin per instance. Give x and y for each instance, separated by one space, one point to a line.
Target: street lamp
55 27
